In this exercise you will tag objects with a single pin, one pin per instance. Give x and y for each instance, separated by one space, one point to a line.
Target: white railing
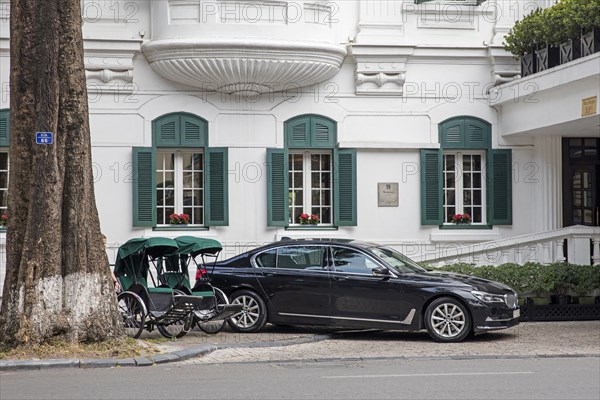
575 244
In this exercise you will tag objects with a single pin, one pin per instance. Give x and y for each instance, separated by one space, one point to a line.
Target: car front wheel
253 316
448 320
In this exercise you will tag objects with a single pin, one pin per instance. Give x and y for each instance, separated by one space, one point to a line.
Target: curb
175 356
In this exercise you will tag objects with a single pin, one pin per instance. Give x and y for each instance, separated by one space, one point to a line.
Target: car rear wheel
448 320
253 316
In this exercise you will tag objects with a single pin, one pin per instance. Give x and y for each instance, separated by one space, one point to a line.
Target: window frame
459 191
185 132
5 148
307 173
467 134
312 133
178 182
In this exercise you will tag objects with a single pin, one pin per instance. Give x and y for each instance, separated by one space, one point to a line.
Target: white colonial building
384 118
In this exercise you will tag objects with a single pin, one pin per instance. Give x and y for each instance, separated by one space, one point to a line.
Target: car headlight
488 297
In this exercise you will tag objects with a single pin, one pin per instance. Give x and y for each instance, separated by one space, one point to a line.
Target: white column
596 250
560 251
545 172
380 21
579 250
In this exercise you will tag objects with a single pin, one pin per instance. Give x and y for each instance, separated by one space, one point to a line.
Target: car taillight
200 272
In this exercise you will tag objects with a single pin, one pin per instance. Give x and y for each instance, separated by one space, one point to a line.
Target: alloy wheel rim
448 320
249 314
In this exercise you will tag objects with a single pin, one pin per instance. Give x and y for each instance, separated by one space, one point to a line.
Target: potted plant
561 25
522 41
306 219
179 219
3 220
587 280
461 219
587 18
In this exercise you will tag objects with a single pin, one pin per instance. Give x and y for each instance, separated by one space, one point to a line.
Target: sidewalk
529 339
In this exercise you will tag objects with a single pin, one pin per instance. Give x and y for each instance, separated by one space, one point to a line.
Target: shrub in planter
590 42
547 57
566 20
570 50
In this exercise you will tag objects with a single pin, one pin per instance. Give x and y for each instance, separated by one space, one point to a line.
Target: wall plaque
387 194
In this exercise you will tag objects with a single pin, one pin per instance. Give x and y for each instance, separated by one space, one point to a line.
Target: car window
300 257
396 260
268 259
349 260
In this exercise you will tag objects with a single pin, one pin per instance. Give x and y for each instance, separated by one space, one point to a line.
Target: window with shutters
466 176
311 176
180 174
310 192
180 185
4 160
464 185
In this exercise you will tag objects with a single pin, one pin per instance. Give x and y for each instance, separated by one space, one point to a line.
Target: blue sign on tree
43 138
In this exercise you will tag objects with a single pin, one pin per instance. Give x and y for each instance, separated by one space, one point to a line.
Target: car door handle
340 278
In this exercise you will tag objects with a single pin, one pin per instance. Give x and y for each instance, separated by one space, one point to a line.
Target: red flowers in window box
306 219
179 219
461 218
3 219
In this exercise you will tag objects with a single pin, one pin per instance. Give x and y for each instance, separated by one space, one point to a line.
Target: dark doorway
581 181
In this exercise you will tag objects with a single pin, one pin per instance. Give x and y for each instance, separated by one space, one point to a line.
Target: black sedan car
350 284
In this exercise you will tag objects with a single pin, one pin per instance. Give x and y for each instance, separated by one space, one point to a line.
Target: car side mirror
381 272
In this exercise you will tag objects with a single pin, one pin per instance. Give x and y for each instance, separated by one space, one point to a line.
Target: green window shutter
323 133
477 134
452 134
216 192
193 132
166 131
499 187
465 133
297 132
277 187
345 187
144 187
4 128
431 187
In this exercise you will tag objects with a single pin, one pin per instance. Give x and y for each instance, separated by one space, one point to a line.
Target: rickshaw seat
174 280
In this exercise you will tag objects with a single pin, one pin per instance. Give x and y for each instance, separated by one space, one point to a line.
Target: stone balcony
243 47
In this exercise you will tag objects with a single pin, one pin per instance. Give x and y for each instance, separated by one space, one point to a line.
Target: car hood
465 281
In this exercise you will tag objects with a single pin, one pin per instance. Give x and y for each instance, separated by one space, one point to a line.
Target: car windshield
398 261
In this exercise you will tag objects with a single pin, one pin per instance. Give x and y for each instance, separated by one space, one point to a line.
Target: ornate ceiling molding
244 66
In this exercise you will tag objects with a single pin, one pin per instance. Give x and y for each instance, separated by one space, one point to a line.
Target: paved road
525 340
536 339
425 378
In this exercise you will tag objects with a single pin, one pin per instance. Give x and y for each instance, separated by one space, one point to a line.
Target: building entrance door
581 181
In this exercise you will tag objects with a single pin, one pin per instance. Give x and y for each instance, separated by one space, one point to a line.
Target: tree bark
58 281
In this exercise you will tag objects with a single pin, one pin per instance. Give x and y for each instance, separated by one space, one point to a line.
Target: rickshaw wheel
215 326
134 313
179 328
175 330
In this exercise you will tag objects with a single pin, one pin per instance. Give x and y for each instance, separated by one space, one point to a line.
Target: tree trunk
58 281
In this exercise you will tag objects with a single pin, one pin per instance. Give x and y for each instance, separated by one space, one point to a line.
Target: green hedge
535 278
565 20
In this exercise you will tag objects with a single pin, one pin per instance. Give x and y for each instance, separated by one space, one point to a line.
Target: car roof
329 241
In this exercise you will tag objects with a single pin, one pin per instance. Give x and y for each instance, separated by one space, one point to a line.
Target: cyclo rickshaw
201 253
168 304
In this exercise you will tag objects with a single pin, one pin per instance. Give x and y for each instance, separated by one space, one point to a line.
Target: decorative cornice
109 65
380 70
243 66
